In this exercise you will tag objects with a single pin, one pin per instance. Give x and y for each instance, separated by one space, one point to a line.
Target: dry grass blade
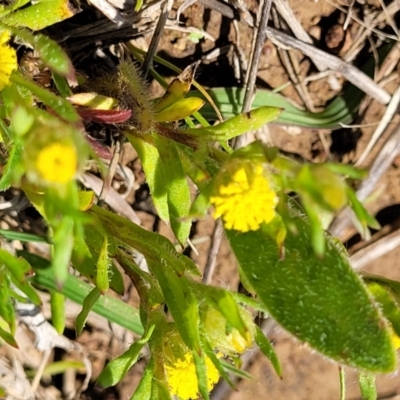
375 250
385 121
351 73
148 60
113 198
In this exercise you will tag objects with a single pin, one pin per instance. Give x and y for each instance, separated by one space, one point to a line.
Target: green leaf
87 306
51 53
363 216
180 110
389 307
268 350
217 363
367 386
224 302
116 369
57 304
153 246
6 305
143 391
393 287
17 266
201 372
339 111
237 125
151 163
40 15
63 243
22 236
176 187
181 302
111 308
8 338
103 261
14 169
61 106
320 300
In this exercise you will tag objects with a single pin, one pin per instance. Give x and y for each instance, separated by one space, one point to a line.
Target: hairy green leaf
320 300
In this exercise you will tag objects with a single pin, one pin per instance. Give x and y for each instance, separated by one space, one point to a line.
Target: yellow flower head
395 339
8 59
243 196
182 378
57 162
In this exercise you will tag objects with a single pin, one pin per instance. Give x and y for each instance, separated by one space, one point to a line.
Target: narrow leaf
87 306
102 281
116 369
237 125
57 304
268 350
367 386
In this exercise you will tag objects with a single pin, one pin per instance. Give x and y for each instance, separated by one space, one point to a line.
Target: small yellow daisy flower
57 162
243 196
8 59
182 378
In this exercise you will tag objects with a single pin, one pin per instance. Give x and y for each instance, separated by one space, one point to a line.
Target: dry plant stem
213 252
39 371
222 390
385 121
351 73
291 66
389 18
381 164
148 61
375 250
256 53
108 10
113 198
287 14
111 171
391 9
262 21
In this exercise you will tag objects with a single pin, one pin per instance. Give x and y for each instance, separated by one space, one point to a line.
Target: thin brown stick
213 252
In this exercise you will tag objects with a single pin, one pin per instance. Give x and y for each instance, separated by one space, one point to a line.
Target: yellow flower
57 162
243 196
8 59
395 339
182 378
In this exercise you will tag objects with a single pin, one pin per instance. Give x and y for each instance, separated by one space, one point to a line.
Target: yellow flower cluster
243 196
57 163
182 378
8 59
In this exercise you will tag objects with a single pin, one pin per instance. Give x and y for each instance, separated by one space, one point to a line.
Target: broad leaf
321 301
40 15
